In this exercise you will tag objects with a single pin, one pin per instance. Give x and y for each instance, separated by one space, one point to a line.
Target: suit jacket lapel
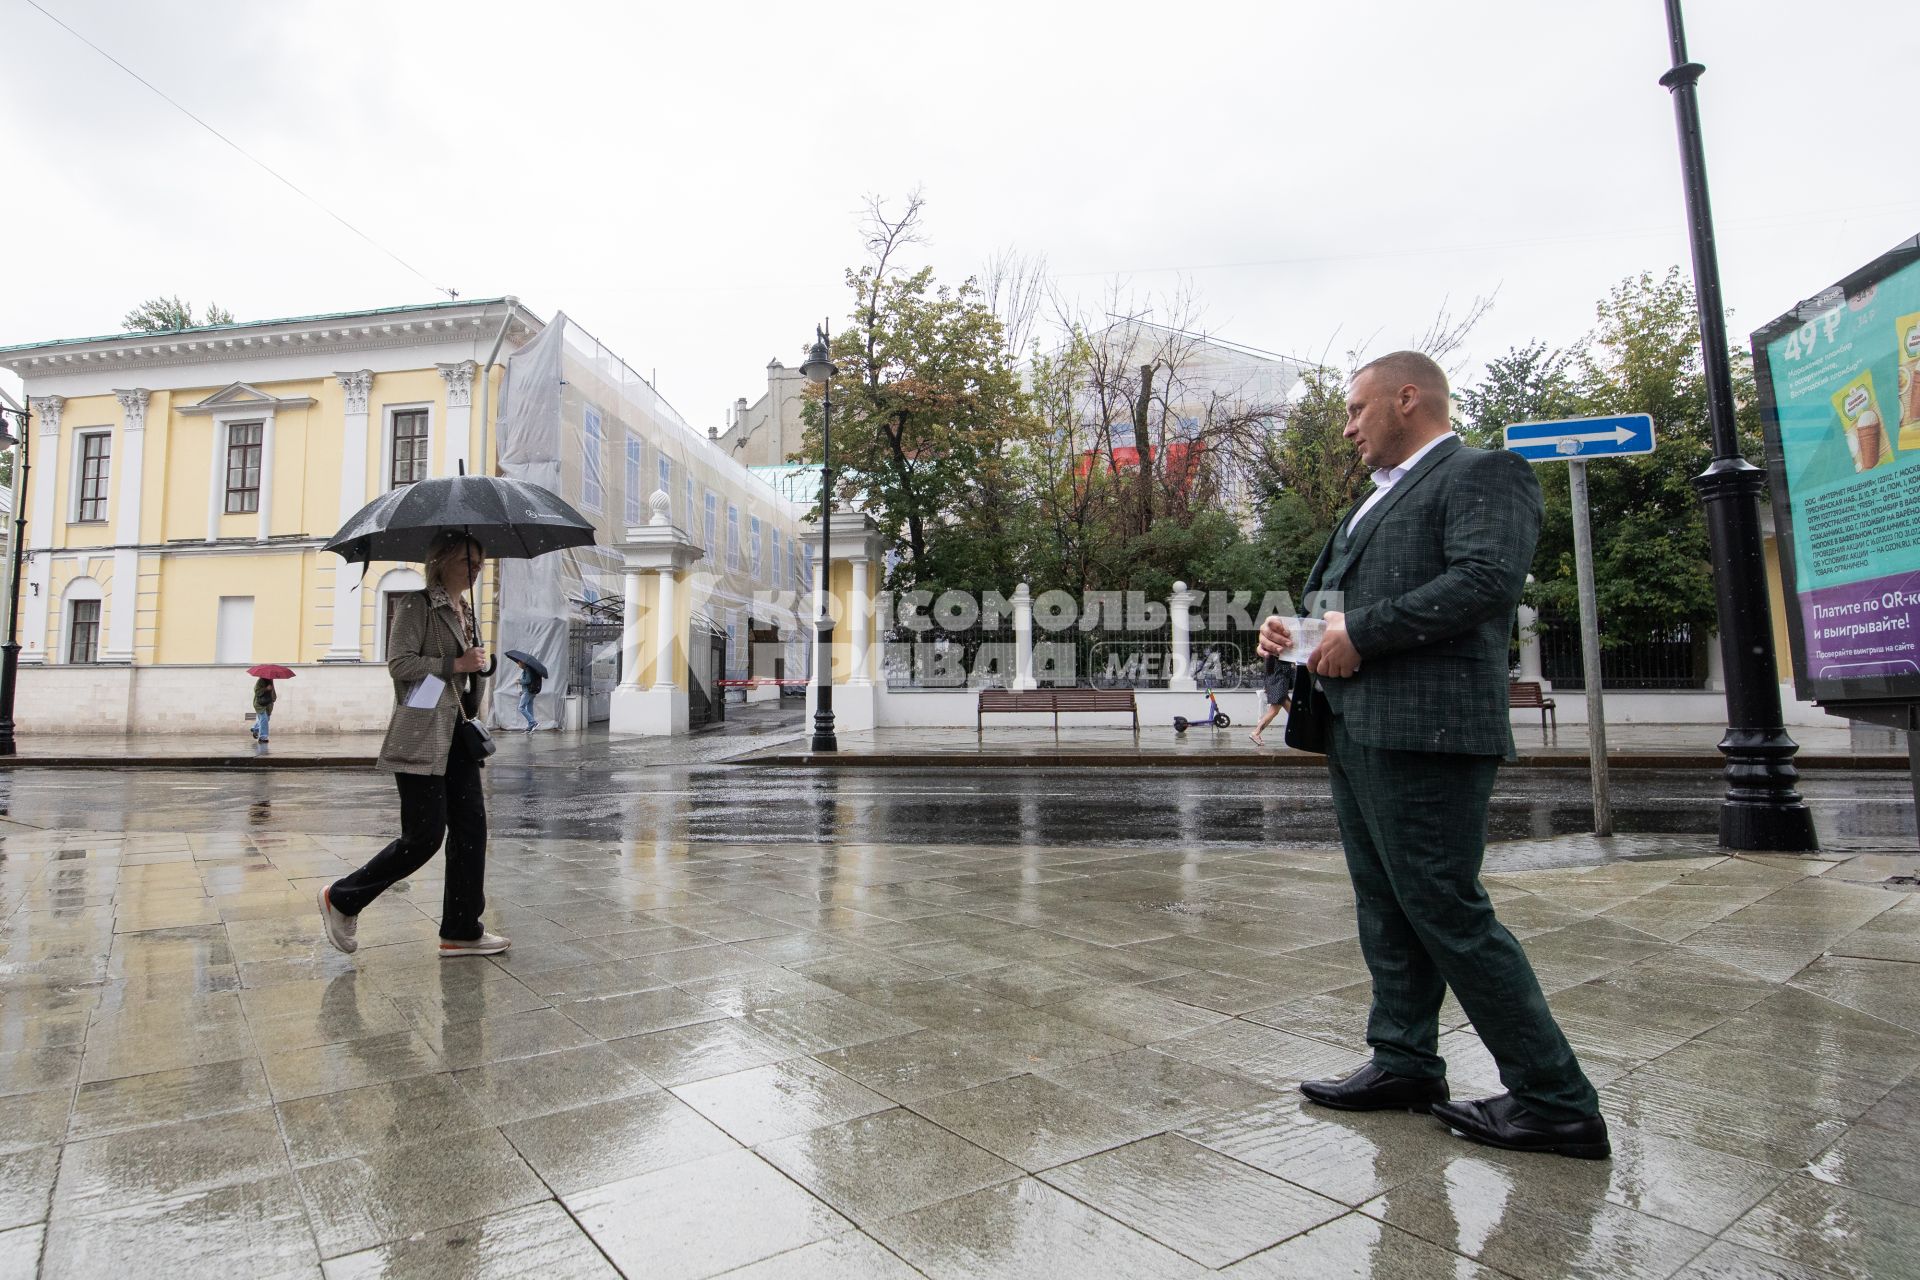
1357 541
1325 561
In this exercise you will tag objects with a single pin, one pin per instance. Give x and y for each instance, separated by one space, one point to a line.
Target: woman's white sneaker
340 926
487 944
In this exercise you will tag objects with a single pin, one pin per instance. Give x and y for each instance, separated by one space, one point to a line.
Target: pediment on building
244 396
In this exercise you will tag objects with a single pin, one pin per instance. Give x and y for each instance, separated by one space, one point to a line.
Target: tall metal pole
10 652
823 735
1590 649
1762 809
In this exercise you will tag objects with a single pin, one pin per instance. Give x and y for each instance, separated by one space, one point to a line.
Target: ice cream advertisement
1845 375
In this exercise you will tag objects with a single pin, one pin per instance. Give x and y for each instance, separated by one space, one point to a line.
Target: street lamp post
10 652
819 370
1762 809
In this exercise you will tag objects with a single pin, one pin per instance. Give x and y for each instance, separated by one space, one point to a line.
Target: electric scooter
1215 717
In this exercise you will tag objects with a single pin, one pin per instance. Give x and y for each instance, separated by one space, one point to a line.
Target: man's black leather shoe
1503 1122
1371 1089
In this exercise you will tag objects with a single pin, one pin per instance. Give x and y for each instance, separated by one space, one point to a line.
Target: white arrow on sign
1572 443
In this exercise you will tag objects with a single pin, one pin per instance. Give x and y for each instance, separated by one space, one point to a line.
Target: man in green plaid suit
1408 699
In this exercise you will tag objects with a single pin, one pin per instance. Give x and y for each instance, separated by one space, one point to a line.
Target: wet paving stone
764 1104
662 1224
1198 1202
399 1191
1499 1220
1033 1122
946 1058
892 1162
1849 1233
604 1142
920 1064
169 1160
1358 1246
700 1051
845 1257
259 1229
539 1242
1030 1231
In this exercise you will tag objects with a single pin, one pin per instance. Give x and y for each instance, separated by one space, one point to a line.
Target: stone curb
1288 760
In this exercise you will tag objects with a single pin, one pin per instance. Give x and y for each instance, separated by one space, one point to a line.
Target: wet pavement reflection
773 1023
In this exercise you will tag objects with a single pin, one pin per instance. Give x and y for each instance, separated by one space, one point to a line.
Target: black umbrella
511 519
527 659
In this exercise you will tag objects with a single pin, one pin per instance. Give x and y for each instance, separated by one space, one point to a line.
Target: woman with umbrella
434 747
263 695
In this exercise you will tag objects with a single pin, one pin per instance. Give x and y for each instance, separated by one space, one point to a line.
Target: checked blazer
425 640
1429 581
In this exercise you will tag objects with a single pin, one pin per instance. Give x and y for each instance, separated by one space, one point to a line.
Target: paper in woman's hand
425 696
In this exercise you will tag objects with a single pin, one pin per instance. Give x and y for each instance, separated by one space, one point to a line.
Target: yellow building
183 484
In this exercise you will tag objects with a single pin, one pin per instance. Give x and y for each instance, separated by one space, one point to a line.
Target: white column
1180 621
353 495
46 410
859 618
216 476
1529 645
1023 638
266 478
126 528
667 609
630 629
1717 666
459 441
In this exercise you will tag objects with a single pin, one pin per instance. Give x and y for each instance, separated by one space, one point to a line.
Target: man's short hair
1402 367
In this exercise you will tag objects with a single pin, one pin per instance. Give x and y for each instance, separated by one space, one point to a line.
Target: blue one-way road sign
1582 438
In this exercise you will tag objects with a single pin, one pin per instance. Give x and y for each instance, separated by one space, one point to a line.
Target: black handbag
471 739
1310 719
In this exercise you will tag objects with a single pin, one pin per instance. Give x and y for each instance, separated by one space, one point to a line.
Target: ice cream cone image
1867 438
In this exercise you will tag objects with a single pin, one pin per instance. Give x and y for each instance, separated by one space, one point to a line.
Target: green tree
1651 568
928 413
166 315
1533 383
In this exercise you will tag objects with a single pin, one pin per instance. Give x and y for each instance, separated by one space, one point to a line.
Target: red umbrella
271 671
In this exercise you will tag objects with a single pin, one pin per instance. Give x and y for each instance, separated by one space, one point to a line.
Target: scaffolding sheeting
579 420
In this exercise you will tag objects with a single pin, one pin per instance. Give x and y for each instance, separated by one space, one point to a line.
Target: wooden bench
1054 701
1528 694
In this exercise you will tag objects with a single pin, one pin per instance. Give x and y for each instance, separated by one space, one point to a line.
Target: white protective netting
576 419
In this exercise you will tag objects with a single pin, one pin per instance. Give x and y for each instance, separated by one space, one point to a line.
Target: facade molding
49 410
240 398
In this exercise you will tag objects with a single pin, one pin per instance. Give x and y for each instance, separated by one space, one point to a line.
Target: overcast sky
687 183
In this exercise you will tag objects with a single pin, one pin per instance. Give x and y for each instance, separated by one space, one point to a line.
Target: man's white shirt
1387 477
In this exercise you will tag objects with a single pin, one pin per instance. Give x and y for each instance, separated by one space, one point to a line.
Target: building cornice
363 332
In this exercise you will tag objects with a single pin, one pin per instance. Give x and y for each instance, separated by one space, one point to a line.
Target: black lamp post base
823 739
1763 811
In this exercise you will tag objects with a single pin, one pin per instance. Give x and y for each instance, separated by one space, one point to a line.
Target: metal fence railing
1674 658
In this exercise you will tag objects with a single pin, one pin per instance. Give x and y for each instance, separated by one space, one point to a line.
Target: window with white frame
686 501
774 578
81 605
733 536
806 568
245 442
93 454
636 458
592 486
708 520
408 447
753 546
666 483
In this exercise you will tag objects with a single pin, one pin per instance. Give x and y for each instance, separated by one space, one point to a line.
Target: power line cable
288 182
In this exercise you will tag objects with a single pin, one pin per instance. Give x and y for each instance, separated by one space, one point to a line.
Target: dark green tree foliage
1651 566
167 315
